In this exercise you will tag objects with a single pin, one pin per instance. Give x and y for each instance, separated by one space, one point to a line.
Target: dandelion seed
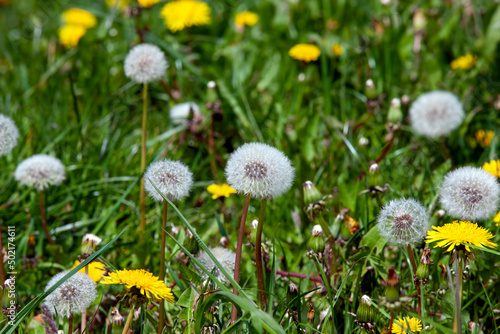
470 193
185 13
305 52
403 221
181 112
436 114
40 171
145 63
172 178
74 296
225 257
9 135
259 170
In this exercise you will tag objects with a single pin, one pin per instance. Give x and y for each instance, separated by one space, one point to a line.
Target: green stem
258 256
143 158
129 321
44 217
239 246
161 320
459 268
417 283
3 276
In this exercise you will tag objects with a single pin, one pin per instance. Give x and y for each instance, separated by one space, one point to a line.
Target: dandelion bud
419 20
116 317
224 242
254 224
405 99
317 243
211 91
363 141
395 114
385 2
311 193
374 175
90 242
424 266
190 243
366 312
370 90
440 213
392 289
9 296
293 291
443 279
317 230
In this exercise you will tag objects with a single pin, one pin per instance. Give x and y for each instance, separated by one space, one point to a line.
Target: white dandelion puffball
259 170
225 257
40 171
180 112
470 193
403 221
436 114
73 296
172 178
145 63
9 134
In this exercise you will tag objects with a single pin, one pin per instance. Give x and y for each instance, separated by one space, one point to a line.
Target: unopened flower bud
419 20
211 92
317 242
385 2
190 243
254 224
370 91
363 141
392 289
311 193
224 241
116 317
443 279
366 312
374 175
440 213
395 115
293 292
90 243
317 230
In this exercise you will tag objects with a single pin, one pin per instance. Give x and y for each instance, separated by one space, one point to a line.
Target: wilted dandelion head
225 257
145 63
172 178
403 221
470 193
259 170
40 171
73 296
185 13
9 134
436 114
181 112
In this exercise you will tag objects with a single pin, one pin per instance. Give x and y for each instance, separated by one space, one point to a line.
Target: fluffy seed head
73 296
436 114
40 171
180 112
145 63
9 134
259 170
225 257
403 221
470 193
172 178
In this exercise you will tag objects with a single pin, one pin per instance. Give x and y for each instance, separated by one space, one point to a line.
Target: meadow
237 166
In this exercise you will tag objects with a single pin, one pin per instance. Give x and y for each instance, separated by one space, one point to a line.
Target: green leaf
189 276
187 300
373 240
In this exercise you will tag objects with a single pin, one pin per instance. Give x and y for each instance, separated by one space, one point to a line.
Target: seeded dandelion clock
470 193
436 114
72 297
9 134
145 63
225 257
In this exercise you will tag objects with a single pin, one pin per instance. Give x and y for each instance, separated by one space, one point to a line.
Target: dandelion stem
2 265
70 324
44 217
417 282
258 256
459 268
129 320
239 246
391 321
143 158
161 320
83 323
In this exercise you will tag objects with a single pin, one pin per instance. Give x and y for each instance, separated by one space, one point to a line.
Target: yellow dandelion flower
147 3
119 4
484 138
140 280
185 13
497 219
337 49
305 52
246 19
414 324
465 62
220 190
352 224
79 17
95 270
493 167
460 233
70 35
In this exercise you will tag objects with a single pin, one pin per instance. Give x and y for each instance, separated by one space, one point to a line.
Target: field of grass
77 104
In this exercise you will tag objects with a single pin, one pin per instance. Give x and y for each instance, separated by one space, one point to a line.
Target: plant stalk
459 268
239 246
70 324
44 218
129 320
161 320
143 159
258 256
417 282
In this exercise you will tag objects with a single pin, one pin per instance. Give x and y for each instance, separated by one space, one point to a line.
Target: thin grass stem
44 217
143 159
161 320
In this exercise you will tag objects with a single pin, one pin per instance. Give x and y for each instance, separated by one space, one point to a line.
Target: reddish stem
291 274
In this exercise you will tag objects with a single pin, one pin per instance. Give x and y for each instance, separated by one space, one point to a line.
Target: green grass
78 106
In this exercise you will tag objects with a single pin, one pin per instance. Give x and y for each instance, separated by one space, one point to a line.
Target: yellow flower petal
95 270
246 19
70 35
414 324
185 13
220 190
79 17
305 52
493 167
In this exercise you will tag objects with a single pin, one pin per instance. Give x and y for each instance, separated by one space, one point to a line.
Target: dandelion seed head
436 114
403 221
259 170
470 193
172 178
73 296
145 63
9 134
225 257
40 171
